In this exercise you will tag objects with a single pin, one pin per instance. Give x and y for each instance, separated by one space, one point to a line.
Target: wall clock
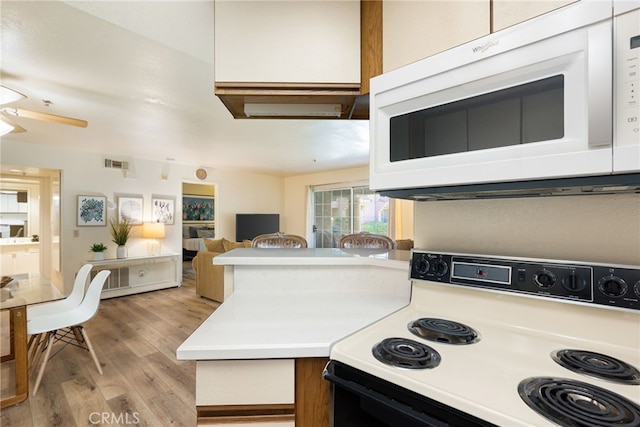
201 173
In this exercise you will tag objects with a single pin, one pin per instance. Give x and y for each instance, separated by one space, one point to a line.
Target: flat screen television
249 226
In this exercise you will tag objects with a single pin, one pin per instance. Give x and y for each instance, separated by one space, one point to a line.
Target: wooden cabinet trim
235 94
285 86
312 393
370 42
245 413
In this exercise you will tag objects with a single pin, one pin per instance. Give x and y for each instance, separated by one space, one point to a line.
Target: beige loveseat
209 277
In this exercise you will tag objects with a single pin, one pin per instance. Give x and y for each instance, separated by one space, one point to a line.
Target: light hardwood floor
135 338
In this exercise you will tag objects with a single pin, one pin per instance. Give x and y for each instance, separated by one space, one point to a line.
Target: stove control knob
574 282
636 288
440 267
422 266
544 278
612 286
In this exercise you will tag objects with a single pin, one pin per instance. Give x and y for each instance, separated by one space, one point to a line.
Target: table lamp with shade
154 231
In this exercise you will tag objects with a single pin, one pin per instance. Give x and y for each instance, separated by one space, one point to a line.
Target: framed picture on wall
198 208
130 208
163 209
92 211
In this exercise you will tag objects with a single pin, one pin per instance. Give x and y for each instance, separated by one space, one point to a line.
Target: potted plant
120 232
98 251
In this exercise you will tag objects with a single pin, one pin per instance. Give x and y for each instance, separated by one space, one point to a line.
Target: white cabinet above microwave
551 98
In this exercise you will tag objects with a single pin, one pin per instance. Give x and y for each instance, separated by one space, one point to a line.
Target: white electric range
487 341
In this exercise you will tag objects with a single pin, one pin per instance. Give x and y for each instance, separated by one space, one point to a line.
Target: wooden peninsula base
262 393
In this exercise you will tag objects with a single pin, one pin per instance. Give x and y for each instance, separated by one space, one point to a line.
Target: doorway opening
30 222
198 217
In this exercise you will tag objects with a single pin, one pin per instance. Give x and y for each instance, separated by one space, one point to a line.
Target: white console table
133 275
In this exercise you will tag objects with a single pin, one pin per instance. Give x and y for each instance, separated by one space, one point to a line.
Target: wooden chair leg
90 347
32 339
50 340
78 334
35 342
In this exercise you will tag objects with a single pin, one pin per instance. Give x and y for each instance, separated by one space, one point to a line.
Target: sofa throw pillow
214 245
404 244
208 233
228 244
199 232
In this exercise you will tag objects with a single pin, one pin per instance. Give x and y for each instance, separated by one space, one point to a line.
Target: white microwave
552 98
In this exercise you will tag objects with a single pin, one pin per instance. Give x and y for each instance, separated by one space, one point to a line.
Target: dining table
15 297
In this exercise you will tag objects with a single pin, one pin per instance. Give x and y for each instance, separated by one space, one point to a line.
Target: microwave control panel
608 285
627 78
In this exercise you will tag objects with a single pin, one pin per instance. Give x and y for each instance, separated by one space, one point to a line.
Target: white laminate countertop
315 256
291 303
266 325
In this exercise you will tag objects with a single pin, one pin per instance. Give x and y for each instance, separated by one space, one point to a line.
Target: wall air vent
116 164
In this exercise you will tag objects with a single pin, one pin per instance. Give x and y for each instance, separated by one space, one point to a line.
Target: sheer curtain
401 219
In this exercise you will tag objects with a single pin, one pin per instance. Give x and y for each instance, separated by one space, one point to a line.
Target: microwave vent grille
579 186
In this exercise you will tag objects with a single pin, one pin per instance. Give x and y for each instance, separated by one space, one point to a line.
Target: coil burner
597 365
444 331
575 403
406 353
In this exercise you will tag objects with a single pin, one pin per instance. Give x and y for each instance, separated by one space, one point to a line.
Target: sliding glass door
342 211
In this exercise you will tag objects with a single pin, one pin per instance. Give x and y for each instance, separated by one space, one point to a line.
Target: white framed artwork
130 208
163 210
92 211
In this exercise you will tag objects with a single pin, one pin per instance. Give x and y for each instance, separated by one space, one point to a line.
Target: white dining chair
73 300
66 326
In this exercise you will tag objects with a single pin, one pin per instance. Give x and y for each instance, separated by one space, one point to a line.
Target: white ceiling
141 74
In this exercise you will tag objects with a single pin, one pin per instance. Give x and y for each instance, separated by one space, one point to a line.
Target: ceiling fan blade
9 95
16 127
50 117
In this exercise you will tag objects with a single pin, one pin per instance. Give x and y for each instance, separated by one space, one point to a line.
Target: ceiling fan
7 125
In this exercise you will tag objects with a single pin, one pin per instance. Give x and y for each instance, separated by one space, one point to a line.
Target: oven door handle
382 400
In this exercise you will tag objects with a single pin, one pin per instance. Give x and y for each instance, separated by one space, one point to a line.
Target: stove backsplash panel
598 228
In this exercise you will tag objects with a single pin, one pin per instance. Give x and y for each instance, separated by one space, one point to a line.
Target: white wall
596 228
83 174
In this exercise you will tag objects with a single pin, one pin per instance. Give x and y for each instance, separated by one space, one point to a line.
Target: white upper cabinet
412 30
509 12
272 41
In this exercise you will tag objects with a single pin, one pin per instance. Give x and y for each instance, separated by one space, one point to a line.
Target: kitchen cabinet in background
21 257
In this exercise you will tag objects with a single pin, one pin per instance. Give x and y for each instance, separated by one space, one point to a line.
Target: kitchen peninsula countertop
292 303
316 256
